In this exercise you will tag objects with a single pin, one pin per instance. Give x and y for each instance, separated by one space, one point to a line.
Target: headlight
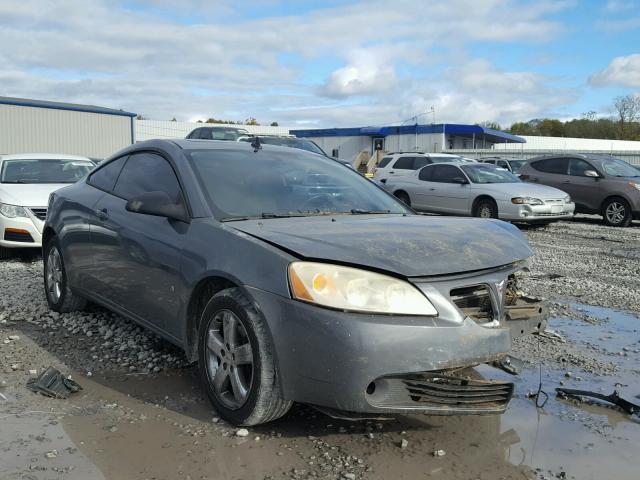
346 288
12 211
635 185
527 201
567 199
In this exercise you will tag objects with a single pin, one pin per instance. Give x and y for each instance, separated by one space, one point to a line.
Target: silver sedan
480 190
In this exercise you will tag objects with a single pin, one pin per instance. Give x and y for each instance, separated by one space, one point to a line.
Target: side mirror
591 173
460 180
158 204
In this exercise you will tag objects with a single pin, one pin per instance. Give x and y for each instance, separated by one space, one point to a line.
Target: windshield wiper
361 211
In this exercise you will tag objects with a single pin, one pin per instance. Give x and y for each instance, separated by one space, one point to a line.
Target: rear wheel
237 368
486 208
617 213
403 197
59 296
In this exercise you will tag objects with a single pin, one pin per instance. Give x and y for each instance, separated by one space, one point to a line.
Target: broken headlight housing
12 211
352 289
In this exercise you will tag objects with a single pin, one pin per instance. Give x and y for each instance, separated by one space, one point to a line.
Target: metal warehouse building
346 143
36 126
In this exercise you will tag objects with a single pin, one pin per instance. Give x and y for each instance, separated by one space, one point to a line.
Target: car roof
43 156
598 157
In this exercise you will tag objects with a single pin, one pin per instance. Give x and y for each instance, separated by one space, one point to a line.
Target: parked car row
543 189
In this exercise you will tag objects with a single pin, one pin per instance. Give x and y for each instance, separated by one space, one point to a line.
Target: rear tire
403 197
486 208
56 287
616 212
236 362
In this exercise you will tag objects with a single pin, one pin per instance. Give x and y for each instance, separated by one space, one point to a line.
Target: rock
51 454
15 366
14 337
568 374
33 372
349 476
243 432
439 453
404 443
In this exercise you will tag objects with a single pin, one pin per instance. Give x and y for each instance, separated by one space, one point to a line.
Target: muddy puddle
162 427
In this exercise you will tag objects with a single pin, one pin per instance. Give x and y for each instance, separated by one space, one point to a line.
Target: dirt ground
142 415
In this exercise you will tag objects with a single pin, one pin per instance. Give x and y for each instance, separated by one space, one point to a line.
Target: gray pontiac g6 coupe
290 278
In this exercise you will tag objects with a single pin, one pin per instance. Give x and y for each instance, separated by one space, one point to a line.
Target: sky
332 63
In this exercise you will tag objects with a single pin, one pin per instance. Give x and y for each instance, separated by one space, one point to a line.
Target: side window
205 134
492 162
384 162
404 163
419 162
503 164
147 172
552 165
194 133
105 177
425 174
577 167
446 174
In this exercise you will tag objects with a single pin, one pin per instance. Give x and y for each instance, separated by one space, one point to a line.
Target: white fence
149 129
567 143
628 156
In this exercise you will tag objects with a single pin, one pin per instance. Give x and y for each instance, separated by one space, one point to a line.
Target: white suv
404 163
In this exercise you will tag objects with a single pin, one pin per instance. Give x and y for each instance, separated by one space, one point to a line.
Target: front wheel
403 197
617 213
59 296
486 208
236 362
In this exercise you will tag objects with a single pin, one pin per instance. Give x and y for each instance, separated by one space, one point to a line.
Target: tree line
248 121
624 124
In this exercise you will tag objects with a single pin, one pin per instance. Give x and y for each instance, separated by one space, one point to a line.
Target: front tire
236 362
403 197
617 213
59 296
486 208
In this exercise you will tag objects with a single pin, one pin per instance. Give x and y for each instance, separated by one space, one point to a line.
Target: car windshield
244 184
516 165
228 133
485 173
451 158
289 142
619 168
44 171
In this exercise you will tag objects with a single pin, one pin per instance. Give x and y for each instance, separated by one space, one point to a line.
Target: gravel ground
139 384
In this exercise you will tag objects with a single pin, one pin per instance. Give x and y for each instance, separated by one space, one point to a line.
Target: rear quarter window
384 162
404 163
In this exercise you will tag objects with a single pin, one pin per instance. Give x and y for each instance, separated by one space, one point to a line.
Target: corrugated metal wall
45 130
149 129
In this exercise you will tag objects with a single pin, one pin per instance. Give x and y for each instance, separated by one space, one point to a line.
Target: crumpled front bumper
361 363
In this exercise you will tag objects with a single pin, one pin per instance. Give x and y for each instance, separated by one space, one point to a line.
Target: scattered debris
404 443
243 432
614 398
52 383
51 454
439 453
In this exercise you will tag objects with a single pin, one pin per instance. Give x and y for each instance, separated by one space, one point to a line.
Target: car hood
28 194
523 189
411 245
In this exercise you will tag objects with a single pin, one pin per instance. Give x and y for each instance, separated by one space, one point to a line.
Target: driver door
447 192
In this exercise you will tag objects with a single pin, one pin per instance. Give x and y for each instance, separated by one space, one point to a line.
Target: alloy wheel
615 212
485 212
54 275
229 359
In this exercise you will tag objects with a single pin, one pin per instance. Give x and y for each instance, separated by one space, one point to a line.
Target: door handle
432 189
392 171
102 214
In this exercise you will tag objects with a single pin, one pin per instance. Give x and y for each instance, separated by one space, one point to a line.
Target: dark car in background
293 142
289 277
598 184
218 133
511 164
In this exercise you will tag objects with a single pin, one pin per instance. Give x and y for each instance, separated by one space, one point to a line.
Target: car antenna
256 144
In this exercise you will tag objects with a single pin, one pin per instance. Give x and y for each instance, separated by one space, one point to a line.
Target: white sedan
26 180
480 190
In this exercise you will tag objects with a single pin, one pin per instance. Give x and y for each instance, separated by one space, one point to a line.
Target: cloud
616 6
354 62
624 71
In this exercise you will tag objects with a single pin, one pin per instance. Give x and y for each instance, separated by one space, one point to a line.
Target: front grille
454 392
13 236
555 201
474 301
40 213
